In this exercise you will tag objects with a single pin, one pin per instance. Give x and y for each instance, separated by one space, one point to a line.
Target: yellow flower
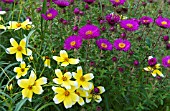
31 85
83 79
64 59
2 27
94 93
10 87
18 49
2 12
81 93
154 70
64 80
17 25
68 97
22 70
47 61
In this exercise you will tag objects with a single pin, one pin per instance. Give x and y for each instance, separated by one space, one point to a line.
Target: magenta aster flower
122 44
62 3
145 20
166 61
73 42
163 22
89 1
152 61
50 14
117 2
112 18
89 31
104 44
129 25
8 1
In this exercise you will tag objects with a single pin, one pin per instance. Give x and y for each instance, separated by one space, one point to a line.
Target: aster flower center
18 24
49 15
77 93
117 1
89 32
164 23
104 45
73 43
122 45
64 78
66 93
82 78
168 61
22 69
30 87
19 48
129 25
145 21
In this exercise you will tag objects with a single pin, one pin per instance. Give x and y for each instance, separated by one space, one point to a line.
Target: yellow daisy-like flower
2 27
31 86
68 97
64 80
94 93
22 70
154 70
9 87
81 93
46 61
17 25
64 59
18 49
82 80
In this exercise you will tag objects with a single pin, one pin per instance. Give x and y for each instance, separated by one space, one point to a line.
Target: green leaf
49 104
20 104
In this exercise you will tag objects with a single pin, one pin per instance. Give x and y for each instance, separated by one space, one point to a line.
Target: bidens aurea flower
64 59
81 93
31 86
46 61
22 70
19 49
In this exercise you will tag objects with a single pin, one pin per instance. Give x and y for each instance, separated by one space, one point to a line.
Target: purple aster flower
145 20
163 22
72 42
166 61
50 14
8 1
89 1
166 38
122 44
104 44
62 3
76 11
89 31
112 18
117 2
129 25
152 61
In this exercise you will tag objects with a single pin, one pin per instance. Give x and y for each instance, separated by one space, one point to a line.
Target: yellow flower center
73 43
122 45
66 59
104 45
164 23
89 32
49 15
168 61
145 21
66 93
19 48
18 24
129 25
28 27
77 93
117 1
64 78
82 78
22 69
30 87
46 57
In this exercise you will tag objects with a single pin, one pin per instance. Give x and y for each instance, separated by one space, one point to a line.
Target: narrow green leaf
49 104
20 104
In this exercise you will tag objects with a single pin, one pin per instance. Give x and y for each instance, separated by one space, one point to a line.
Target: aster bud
39 9
76 11
81 13
103 29
71 1
86 7
112 28
131 53
75 28
166 38
96 90
136 63
88 21
114 59
151 1
123 35
98 108
168 2
168 46
65 22
120 69
144 4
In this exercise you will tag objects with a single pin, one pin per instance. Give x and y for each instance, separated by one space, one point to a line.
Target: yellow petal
41 81
32 78
58 98
13 25
17 69
102 89
74 97
68 102
68 75
74 61
148 68
58 59
157 66
97 98
58 90
11 50
2 26
82 92
27 51
159 73
23 65
66 84
13 42
87 85
47 63
57 81
81 101
88 76
29 95
23 43
63 54
37 89
18 56
25 93
58 73
23 83
88 100
18 75
65 64
154 73
79 73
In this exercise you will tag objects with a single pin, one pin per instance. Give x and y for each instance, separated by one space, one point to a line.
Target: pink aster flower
50 14
8 1
117 2
62 3
89 31
129 25
104 44
72 42
166 61
145 20
163 22
122 44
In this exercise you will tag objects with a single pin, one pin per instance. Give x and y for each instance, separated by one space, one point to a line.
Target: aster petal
32 78
68 75
37 89
87 85
58 90
13 42
58 73
68 102
41 81
63 54
65 64
81 101
58 98
88 76
23 83
57 81
11 50
74 61
102 89
18 56
58 59
97 98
